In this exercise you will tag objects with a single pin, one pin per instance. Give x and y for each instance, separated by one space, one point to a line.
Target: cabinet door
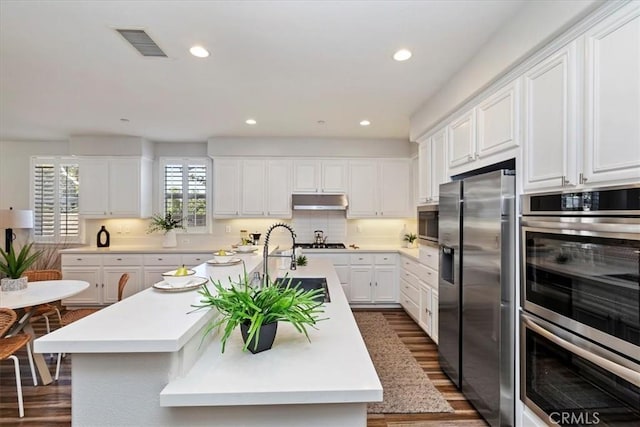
112 276
439 170
434 316
253 184
415 171
279 188
461 136
152 275
550 146
426 309
94 187
394 185
124 187
385 284
361 284
334 176
91 295
363 183
306 175
226 187
424 171
498 120
612 127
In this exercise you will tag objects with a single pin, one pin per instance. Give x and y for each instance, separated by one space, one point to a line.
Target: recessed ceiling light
402 55
250 122
365 123
199 51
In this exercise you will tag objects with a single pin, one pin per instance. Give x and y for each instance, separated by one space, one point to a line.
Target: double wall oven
580 323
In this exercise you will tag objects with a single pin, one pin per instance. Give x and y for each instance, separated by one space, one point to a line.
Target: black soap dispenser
103 238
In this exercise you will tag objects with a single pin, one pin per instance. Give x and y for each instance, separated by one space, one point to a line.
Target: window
54 197
185 190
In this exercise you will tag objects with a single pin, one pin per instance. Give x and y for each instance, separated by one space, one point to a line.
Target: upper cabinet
461 134
253 188
550 122
379 189
555 156
612 99
498 121
115 187
433 166
318 176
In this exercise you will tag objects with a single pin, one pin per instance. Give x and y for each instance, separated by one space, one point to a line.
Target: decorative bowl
224 257
246 248
171 278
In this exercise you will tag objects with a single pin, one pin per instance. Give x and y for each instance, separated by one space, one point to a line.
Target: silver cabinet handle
583 179
621 371
159 259
369 284
78 259
118 259
96 285
376 283
103 285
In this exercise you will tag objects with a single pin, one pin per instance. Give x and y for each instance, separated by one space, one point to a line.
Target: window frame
185 162
57 161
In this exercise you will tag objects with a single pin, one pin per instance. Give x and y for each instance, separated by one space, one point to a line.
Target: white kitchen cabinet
380 189
612 102
90 296
115 187
461 137
319 176
253 185
374 279
156 264
226 188
111 277
278 188
426 310
498 121
550 122
434 315
340 262
415 179
433 166
419 290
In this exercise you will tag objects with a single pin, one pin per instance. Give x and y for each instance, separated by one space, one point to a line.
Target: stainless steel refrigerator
476 291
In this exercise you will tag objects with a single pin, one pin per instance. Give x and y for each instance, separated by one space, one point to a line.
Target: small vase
10 285
265 336
170 240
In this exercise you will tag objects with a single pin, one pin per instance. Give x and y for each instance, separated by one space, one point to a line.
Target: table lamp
14 218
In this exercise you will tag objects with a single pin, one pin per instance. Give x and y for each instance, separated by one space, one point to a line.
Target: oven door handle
621 371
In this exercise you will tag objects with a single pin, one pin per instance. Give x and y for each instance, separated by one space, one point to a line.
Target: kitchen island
143 362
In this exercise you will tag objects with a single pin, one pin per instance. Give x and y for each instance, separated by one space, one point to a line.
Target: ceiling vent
142 42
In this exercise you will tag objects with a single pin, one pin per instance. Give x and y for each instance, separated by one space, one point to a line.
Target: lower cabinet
341 265
90 296
374 278
419 294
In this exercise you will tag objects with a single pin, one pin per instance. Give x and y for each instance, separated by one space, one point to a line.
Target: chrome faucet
266 256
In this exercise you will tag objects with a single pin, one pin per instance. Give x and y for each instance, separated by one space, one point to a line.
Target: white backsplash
332 223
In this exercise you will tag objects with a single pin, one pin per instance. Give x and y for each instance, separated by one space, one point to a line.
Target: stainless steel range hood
319 202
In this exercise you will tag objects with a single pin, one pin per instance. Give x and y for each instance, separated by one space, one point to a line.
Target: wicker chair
10 345
70 316
44 310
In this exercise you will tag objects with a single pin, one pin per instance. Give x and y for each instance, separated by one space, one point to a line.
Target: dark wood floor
51 405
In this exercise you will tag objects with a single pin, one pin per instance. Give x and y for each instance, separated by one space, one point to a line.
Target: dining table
36 293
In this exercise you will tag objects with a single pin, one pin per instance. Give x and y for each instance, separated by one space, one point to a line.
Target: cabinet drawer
385 259
429 256
411 278
122 259
362 259
409 306
336 259
191 260
411 266
410 291
163 259
428 275
81 260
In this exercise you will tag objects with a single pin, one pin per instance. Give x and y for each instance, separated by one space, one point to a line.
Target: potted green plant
13 267
167 223
257 310
410 239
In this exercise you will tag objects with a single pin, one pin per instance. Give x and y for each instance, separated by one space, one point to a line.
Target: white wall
534 25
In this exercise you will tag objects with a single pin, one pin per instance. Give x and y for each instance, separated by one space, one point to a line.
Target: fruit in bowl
223 256
178 277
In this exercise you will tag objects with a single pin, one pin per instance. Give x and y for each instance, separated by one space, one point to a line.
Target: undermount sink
308 284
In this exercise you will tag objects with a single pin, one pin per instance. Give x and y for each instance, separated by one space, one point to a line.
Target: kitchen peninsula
141 362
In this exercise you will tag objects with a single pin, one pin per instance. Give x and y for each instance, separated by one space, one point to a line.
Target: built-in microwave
428 223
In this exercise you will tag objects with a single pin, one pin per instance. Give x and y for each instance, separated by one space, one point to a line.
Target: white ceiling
65 71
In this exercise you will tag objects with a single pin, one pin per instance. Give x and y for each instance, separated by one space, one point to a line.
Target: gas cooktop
321 245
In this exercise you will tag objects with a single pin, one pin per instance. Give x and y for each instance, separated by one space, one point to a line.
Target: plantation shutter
68 201
173 194
44 180
197 194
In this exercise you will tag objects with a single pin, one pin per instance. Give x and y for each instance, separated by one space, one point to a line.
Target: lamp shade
16 218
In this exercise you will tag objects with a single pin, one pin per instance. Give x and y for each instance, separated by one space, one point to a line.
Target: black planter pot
266 335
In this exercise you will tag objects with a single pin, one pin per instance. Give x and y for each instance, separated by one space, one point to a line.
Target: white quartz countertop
149 321
334 367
